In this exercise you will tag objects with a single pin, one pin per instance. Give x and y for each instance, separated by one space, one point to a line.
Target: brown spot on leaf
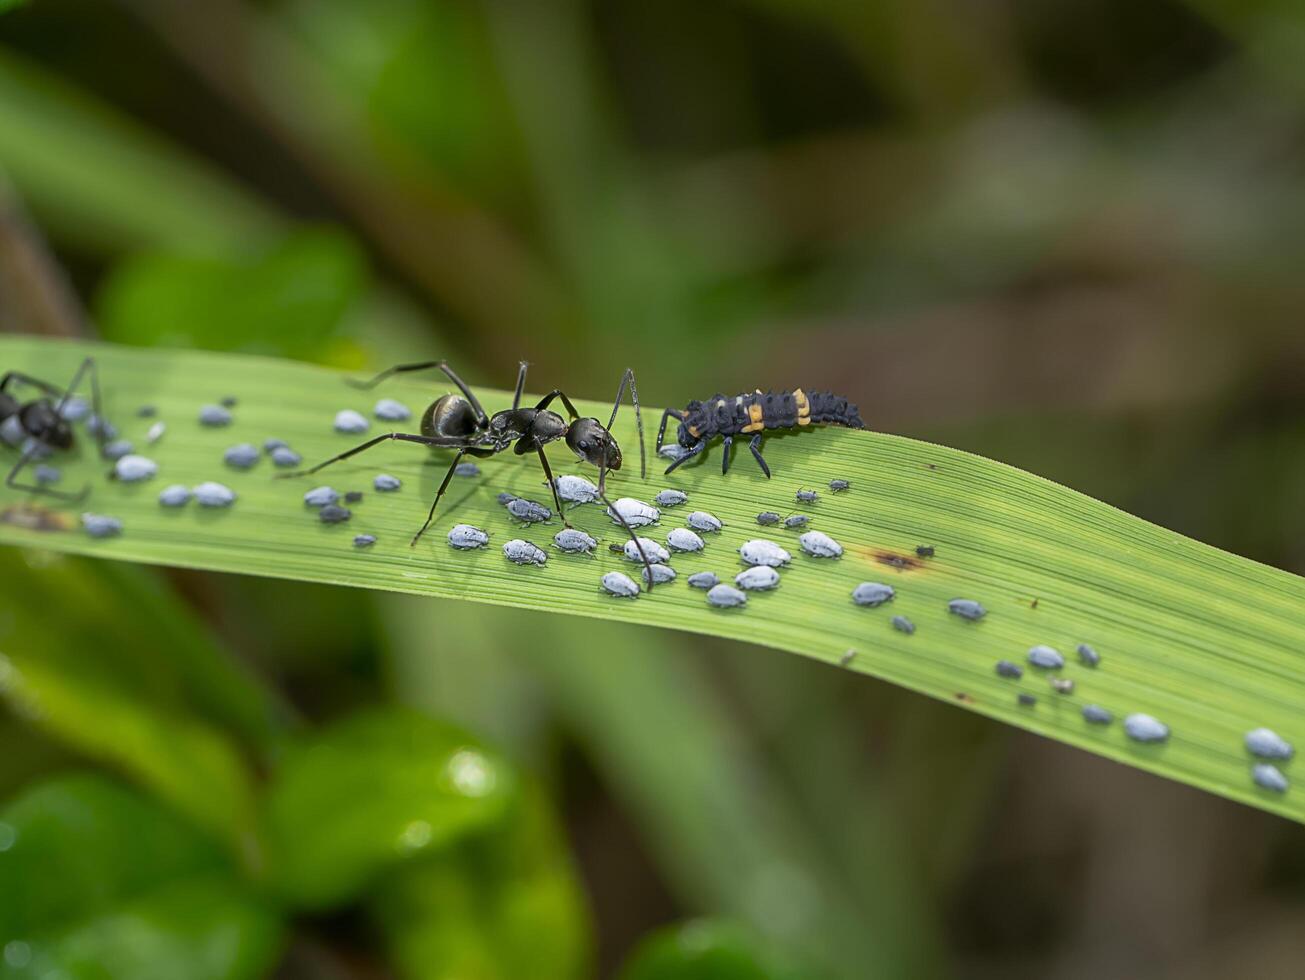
964 698
35 518
894 559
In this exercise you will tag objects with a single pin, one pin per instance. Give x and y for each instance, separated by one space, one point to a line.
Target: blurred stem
35 296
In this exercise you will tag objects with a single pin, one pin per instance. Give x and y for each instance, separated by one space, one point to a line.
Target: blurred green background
1067 234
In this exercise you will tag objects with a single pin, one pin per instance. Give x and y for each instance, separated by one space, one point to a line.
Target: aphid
466 468
524 553
847 657
1046 657
272 443
466 537
904 625
757 578
768 518
101 525
838 486
806 496
349 422
1144 728
228 401
1094 714
334 514
752 414
1006 668
924 551
670 498
386 483
210 494
389 410
659 573
98 426
700 520
146 412
966 609
1062 685
174 496
650 548
364 540
726 596
817 544
528 510
242 456
762 552
155 433
796 520
214 415
321 496
1026 700
1088 656
285 456
621 585
1267 776
353 497
682 539
704 580
872 594
506 498
576 489
574 540
133 469
117 449
1268 744
74 409
46 475
672 451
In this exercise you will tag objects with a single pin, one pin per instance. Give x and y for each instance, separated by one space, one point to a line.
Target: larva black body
751 415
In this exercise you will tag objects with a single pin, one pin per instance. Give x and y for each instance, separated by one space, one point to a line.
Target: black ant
43 421
459 422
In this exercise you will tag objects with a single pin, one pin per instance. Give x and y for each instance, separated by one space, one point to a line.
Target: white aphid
726 596
700 520
672 451
321 496
682 539
757 578
651 548
576 490
12 431
214 415
75 409
670 498
211 494
872 594
704 580
174 496
132 468
524 553
285 456
528 510
966 609
101 525
637 513
389 410
242 455
466 537
1144 728
384 482
574 540
660 573
620 584
155 432
116 449
1269 777
1268 744
817 544
759 551
1046 657
350 422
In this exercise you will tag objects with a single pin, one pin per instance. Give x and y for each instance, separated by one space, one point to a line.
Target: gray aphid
1046 657
174 496
334 514
576 489
350 422
466 537
806 496
838 486
1025 699
147 412
966 609
621 585
903 624
759 551
12 431
506 498
637 513
321 496
1094 714
211 494
242 456
214 415
704 580
101 525
118 448
574 540
653 550
1268 744
757 578
1006 668
466 468
682 539
767 518
75 409
1268 776
46 475
660 573
385 483
726 596
797 520
528 510
285 456
1062 685
700 520
670 498
524 553
272 443
872 594
101 427
391 411
132 468
817 544
672 451
1144 728
34 448
1088 656
848 656
228 401
364 540
155 432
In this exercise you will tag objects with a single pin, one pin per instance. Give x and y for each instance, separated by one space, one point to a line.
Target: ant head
594 444
40 420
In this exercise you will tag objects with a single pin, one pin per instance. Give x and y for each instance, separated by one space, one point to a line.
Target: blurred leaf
287 299
8 5
97 673
372 792
99 882
706 950
1203 640
502 905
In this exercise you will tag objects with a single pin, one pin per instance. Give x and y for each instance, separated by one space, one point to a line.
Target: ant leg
557 393
755 446
638 417
697 449
521 384
602 482
88 364
552 484
430 516
12 481
725 457
44 386
443 442
667 415
481 417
